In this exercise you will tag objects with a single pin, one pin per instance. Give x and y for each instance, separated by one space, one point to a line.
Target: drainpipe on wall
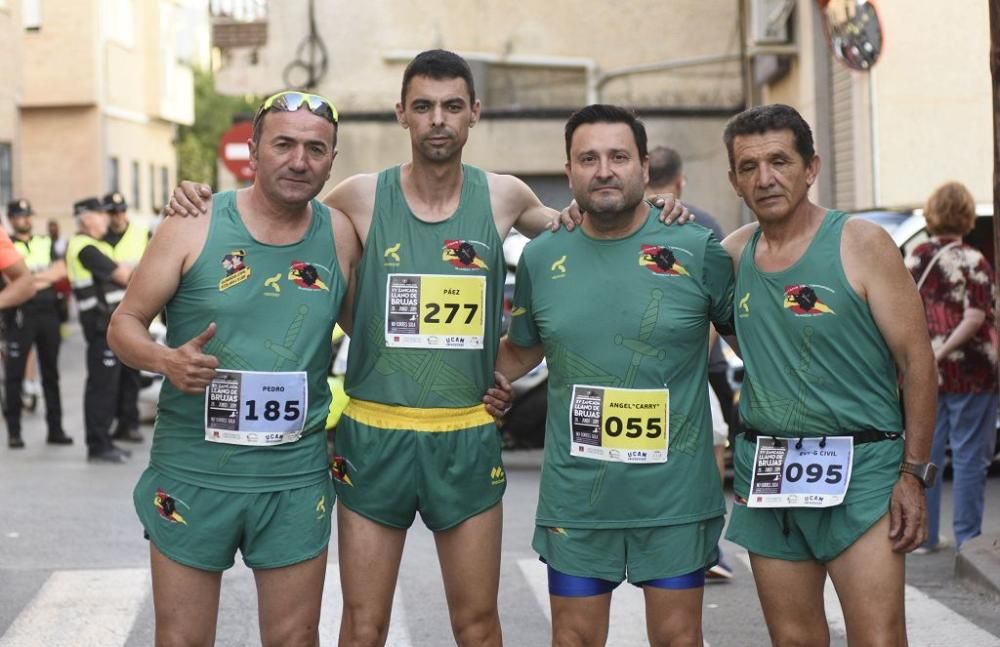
873 132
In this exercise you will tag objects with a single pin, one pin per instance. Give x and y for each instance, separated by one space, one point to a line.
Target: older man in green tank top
827 480
239 452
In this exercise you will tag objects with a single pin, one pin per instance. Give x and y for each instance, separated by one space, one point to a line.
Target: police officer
98 285
128 241
34 323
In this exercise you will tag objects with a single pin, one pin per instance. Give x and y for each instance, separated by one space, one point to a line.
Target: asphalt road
73 565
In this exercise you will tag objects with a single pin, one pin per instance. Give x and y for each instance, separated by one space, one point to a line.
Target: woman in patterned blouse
957 287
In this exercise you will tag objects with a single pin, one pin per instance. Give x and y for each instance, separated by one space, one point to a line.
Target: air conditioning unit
769 21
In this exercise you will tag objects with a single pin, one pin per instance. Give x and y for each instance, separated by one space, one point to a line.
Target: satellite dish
853 32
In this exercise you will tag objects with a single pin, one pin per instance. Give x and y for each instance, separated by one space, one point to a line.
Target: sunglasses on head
290 101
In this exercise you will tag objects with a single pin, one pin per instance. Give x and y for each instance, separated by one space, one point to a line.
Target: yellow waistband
387 416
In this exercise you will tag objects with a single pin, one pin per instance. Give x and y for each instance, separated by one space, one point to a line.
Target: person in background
34 324
99 285
957 286
128 242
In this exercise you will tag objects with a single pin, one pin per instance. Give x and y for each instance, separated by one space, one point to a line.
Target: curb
977 565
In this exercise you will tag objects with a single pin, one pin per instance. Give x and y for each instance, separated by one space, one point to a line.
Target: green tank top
630 313
816 363
274 307
432 272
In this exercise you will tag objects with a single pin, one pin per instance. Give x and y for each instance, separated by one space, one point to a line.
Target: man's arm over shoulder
173 249
355 198
348 257
874 267
516 205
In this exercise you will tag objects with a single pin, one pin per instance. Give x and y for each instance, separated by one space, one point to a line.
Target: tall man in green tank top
629 486
239 456
825 315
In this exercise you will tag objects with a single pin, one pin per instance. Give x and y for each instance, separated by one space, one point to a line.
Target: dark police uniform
89 265
128 248
34 323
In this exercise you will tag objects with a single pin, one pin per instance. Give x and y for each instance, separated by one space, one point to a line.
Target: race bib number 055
788 473
435 311
256 408
623 425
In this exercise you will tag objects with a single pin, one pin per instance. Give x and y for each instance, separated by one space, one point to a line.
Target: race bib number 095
256 408
435 311
623 425
789 473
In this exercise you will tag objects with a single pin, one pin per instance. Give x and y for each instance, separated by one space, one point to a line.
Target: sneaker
927 549
110 455
720 572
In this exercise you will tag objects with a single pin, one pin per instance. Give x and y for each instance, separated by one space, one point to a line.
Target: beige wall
10 87
370 44
930 120
934 105
60 159
150 143
61 60
359 37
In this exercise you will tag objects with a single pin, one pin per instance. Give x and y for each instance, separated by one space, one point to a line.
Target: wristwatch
925 472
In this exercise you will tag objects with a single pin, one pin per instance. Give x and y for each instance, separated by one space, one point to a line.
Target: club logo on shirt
497 477
661 260
463 255
321 507
166 505
237 271
560 532
338 468
803 301
391 255
306 276
744 306
274 283
559 267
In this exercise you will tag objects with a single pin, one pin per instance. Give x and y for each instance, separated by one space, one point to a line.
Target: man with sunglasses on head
239 451
415 436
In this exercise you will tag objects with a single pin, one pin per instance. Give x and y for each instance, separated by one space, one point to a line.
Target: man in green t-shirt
827 480
620 308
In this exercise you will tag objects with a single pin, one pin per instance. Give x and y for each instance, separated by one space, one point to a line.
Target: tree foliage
197 144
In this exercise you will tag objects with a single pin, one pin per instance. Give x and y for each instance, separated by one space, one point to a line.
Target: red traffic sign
234 150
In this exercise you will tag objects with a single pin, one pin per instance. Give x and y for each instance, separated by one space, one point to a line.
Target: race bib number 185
256 408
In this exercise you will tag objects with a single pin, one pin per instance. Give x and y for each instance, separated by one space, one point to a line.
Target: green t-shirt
630 313
433 272
274 307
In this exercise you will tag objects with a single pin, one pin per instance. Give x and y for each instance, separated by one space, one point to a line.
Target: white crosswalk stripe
92 608
928 622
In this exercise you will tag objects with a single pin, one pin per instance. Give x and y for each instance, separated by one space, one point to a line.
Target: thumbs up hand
188 368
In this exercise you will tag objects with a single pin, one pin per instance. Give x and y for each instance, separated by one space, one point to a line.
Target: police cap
87 204
19 208
114 202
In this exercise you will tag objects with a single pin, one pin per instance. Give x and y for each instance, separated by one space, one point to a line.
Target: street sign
234 150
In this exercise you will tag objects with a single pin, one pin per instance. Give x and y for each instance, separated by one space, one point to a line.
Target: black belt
860 437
